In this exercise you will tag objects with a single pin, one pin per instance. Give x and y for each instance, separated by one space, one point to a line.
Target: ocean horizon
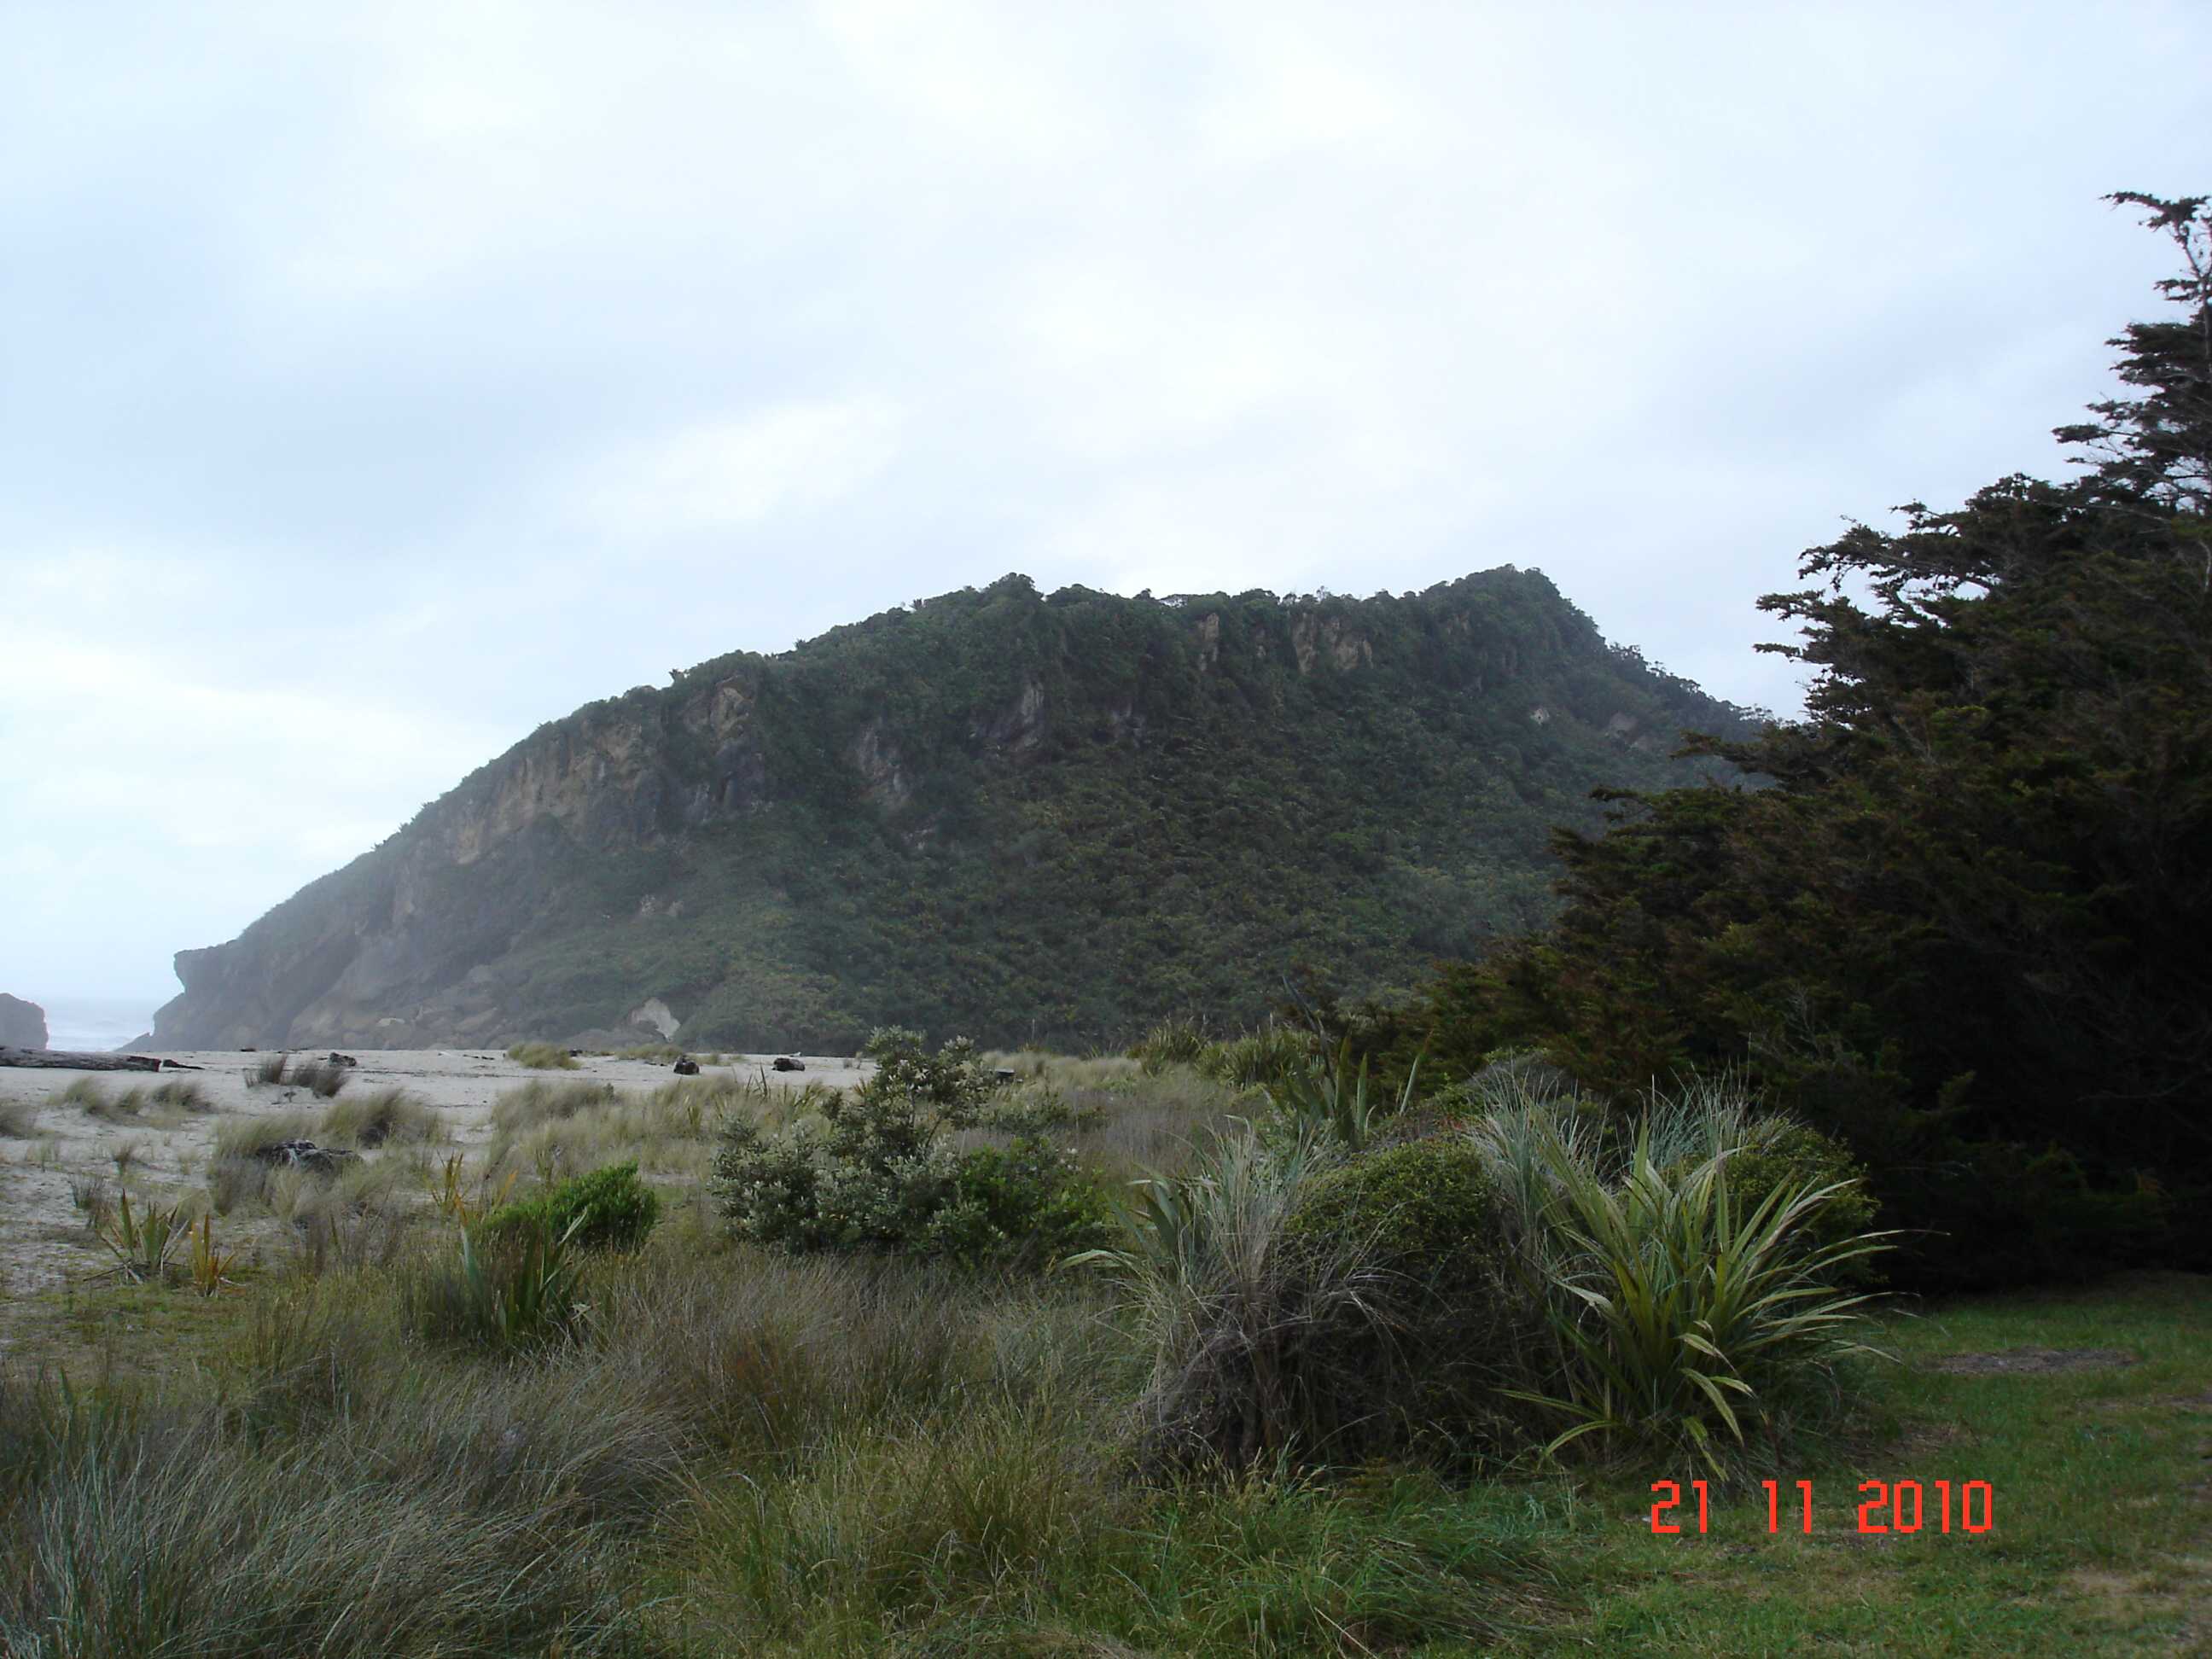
94 1024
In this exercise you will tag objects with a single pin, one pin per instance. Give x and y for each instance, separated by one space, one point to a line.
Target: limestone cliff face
766 845
22 1024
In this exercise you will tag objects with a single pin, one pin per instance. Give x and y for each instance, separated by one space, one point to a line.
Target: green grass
2102 1540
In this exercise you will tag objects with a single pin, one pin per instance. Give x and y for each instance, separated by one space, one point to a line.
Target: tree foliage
1965 925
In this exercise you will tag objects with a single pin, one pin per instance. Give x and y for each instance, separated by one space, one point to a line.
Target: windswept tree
1967 921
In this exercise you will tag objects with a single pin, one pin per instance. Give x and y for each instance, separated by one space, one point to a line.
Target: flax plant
140 1242
1683 1313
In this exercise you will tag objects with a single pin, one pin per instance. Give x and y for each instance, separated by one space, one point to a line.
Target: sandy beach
44 1240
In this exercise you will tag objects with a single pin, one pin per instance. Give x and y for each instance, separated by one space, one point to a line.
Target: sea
92 1024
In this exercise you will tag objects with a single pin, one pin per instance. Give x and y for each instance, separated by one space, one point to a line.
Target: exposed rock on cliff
1019 816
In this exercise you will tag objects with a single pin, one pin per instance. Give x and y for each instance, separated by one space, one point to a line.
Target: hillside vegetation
1025 818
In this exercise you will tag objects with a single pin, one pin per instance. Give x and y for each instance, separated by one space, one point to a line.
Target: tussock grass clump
1272 1055
1179 1040
322 1078
90 1096
542 1056
541 1101
19 1119
242 1136
1234 1310
179 1096
389 1116
1005 1492
546 1128
269 1068
170 1100
658 1054
235 1182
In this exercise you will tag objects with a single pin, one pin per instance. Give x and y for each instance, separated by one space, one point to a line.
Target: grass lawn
2101 1539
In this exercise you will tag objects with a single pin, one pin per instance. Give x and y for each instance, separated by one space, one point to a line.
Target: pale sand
43 1238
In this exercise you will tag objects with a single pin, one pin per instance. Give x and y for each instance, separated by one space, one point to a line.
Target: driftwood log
60 1060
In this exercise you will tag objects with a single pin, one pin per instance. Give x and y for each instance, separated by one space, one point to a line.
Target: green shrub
882 1176
1428 1208
1025 1204
1788 1157
1451 1316
609 1209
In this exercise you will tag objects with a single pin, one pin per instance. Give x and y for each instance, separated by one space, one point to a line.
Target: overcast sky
374 388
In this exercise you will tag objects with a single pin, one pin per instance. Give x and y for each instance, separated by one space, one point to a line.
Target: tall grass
242 1136
389 1116
324 1079
1231 1312
19 1119
428 1514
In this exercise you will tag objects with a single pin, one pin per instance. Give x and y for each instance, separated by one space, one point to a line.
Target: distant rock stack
22 1024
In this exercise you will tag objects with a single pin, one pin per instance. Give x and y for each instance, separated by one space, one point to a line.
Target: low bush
1026 1205
1789 1159
542 1056
880 1174
1450 1314
609 1209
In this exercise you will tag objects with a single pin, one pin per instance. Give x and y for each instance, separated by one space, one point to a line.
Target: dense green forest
1026 817
1968 926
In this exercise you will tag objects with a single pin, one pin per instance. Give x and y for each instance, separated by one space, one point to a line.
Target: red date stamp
1889 1506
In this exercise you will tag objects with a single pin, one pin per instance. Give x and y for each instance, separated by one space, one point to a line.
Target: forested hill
1020 817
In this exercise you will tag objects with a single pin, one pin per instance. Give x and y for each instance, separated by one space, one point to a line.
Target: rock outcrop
22 1024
